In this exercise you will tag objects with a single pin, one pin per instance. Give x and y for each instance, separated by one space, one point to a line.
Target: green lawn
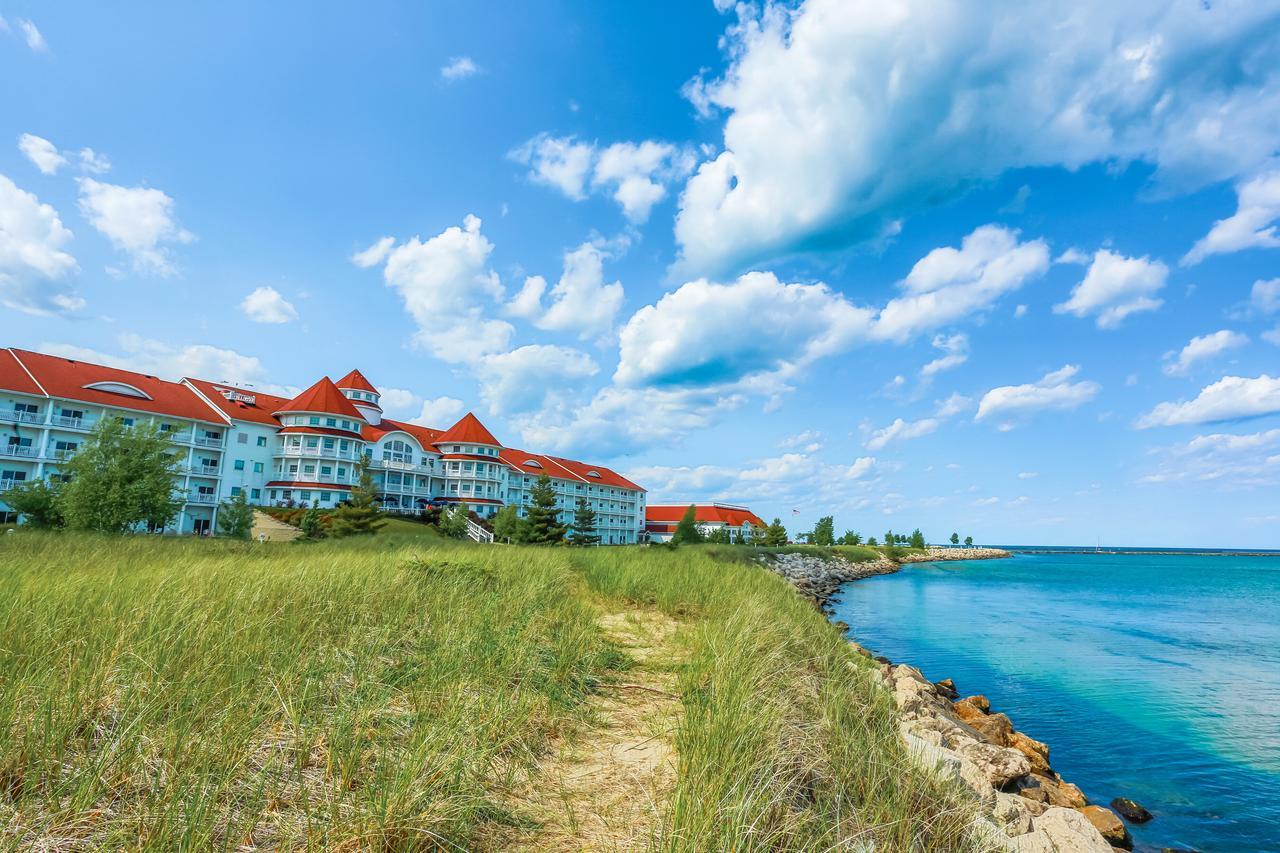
396 694
398 526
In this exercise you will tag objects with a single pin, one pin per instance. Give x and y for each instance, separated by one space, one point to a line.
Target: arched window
397 451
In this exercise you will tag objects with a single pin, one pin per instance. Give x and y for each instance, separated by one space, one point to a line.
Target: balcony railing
207 441
330 453
68 422
396 465
203 470
23 417
19 450
299 477
202 499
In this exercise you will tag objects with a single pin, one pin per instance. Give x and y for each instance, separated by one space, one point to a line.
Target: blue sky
963 266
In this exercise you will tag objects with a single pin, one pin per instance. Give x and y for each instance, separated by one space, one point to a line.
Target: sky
982 267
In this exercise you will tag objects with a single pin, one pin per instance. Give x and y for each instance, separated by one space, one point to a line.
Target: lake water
1154 677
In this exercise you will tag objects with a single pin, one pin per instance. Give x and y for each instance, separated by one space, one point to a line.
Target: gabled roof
67 378
14 377
426 436
324 397
355 381
468 429
733 516
534 464
237 406
595 473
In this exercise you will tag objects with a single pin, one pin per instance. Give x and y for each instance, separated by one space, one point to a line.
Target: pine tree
508 526
122 477
360 515
543 517
776 535
312 524
687 531
955 538
968 541
235 517
757 537
824 532
584 525
917 539
890 538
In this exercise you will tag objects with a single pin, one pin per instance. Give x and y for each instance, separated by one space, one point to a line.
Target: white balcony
18 450
206 441
23 417
300 477
330 453
65 422
203 500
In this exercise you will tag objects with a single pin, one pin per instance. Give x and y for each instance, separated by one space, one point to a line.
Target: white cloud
1020 312
458 68
956 348
199 361
34 266
1200 348
266 305
953 405
1230 398
445 283
635 174
756 332
1252 225
1229 460
532 378
440 413
1055 390
842 116
901 430
1272 336
795 479
137 220
1265 295
579 302
35 40
93 161
43 153
1115 287
949 284
809 441
1027 475
396 400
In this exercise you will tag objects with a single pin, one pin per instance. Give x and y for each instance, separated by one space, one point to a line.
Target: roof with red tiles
14 377
235 402
595 473
733 516
426 436
468 429
323 397
71 379
355 380
565 469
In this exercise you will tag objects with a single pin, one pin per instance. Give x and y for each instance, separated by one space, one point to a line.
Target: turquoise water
1152 677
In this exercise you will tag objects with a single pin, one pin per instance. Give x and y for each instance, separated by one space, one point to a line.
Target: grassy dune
393 694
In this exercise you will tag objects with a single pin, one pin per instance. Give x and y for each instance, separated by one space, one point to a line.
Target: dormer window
532 463
595 474
120 388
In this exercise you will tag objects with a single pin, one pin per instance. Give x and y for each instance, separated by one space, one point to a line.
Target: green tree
871 540
955 538
360 515
453 522
543 517
235 517
757 537
687 531
508 526
776 535
824 532
38 502
968 541
917 538
121 477
890 538
583 531
312 524
851 538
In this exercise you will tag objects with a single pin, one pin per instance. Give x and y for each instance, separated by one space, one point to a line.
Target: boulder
946 688
1051 791
998 764
996 728
1109 825
1130 811
979 702
966 710
1071 832
1012 814
1033 842
1035 751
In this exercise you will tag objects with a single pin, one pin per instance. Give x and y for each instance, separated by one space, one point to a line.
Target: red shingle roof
259 411
425 435
468 429
705 513
14 377
324 397
355 381
66 378
565 469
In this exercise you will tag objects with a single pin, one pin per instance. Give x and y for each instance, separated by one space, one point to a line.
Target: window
235 490
326 471
8 478
242 438
315 420
308 469
328 444
288 494
324 496
255 494
398 451
293 469
331 422
77 414
262 441
257 467
61 448
273 494
342 472
127 421
239 464
305 494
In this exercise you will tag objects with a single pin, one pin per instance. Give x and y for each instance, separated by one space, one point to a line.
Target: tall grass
389 693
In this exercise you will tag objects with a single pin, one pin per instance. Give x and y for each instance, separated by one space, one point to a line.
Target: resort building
288 452
661 520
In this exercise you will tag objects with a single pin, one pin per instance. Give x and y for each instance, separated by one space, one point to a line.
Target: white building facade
281 452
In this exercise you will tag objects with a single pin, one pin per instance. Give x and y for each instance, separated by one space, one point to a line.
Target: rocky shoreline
1026 806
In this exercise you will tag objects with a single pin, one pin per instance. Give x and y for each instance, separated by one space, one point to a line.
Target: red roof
469 429
605 475
66 379
565 469
14 377
259 411
733 516
324 397
355 381
425 435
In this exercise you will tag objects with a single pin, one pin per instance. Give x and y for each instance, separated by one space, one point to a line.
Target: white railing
23 417
68 423
206 441
396 465
332 453
25 451
297 477
202 499
203 470
478 533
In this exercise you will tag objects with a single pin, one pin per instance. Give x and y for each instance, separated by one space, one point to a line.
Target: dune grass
387 693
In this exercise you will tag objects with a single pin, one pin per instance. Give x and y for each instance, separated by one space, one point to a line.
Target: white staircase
477 532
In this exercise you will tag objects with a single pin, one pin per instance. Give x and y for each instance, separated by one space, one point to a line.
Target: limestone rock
1130 811
999 764
1035 751
1109 825
946 688
1051 791
979 702
1071 832
1012 814
1033 842
996 728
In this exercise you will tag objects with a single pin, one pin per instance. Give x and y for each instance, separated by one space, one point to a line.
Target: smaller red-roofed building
661 520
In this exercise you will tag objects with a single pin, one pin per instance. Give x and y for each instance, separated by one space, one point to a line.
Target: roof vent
533 463
121 388
235 396
595 474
